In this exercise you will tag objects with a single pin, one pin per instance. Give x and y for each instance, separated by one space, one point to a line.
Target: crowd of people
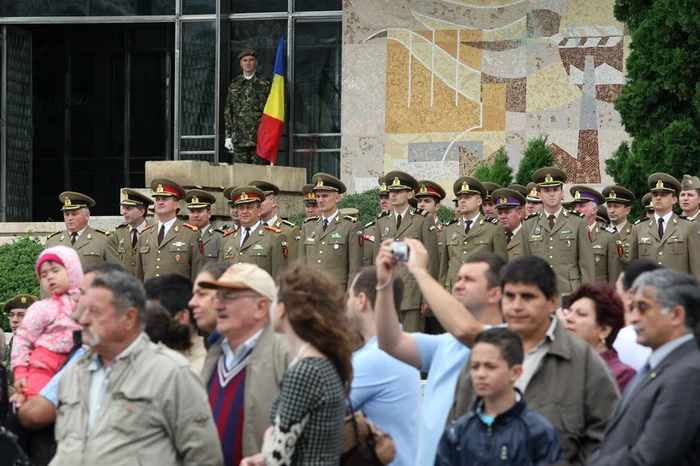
529 355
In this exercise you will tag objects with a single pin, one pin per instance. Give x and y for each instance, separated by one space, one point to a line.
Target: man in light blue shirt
384 388
440 356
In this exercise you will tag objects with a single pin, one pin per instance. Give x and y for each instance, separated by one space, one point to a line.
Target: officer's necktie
73 238
467 226
509 237
161 234
325 224
134 237
615 229
642 375
265 224
551 221
245 238
661 227
398 221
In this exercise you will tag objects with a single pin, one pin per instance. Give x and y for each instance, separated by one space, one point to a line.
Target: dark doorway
102 107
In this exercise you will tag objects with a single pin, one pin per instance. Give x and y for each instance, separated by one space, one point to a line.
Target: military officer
199 206
602 217
90 243
689 199
254 243
269 214
533 203
122 245
557 235
510 205
648 206
171 245
607 246
333 242
233 211
488 206
519 188
666 238
245 102
310 203
472 232
403 221
619 202
384 204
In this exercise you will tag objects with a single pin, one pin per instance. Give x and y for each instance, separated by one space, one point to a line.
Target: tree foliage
536 155
660 104
497 171
17 275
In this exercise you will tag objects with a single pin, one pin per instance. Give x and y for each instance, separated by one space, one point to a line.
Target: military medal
313 234
454 236
121 243
285 249
177 257
538 230
568 243
335 246
230 249
386 230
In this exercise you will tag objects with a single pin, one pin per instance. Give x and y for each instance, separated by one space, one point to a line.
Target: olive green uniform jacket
291 230
566 247
155 410
625 233
607 254
416 225
91 246
267 248
515 245
338 250
178 253
119 248
679 249
485 235
210 245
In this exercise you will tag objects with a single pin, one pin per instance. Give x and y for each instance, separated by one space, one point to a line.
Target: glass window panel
317 62
314 162
317 5
198 7
14 8
316 142
262 36
198 86
258 6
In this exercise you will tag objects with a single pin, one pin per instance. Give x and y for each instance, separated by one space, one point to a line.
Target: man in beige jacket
244 368
128 401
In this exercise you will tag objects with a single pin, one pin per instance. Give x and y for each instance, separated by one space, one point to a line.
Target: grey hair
126 290
673 288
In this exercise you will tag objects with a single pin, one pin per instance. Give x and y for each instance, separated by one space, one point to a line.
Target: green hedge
17 261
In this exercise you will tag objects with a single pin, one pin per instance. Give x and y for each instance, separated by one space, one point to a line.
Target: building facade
91 89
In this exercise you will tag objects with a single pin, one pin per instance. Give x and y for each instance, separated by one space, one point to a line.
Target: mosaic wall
433 87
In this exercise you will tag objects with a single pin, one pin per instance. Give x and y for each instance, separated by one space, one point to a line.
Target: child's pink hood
71 261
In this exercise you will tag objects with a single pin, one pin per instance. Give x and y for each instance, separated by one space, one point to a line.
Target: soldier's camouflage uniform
245 103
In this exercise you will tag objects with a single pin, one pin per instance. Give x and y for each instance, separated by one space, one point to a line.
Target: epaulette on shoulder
383 214
220 230
351 218
104 232
271 228
148 227
685 217
532 215
640 221
52 235
122 225
229 233
608 229
492 220
310 219
432 228
288 223
367 225
454 220
191 227
577 213
422 212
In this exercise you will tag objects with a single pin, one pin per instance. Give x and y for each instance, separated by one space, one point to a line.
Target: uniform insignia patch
620 249
336 246
258 247
454 236
367 225
538 230
177 258
313 234
178 244
336 236
360 238
285 249
62 237
89 236
176 228
568 243
369 238
386 230
201 245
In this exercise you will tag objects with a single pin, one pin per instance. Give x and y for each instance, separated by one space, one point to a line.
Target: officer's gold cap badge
548 178
125 197
319 183
659 184
396 182
159 188
195 200
423 189
503 200
67 202
24 300
613 195
465 186
244 196
577 195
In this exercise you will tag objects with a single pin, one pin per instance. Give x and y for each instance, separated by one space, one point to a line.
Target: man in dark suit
656 421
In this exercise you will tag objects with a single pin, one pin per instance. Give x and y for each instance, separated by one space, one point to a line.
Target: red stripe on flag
269 137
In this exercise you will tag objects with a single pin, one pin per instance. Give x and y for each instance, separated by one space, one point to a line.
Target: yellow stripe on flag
275 102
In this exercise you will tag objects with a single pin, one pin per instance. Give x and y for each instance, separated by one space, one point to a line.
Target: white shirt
402 214
80 233
629 351
138 229
474 219
515 232
620 227
203 231
556 214
167 225
667 218
331 218
243 231
231 357
270 222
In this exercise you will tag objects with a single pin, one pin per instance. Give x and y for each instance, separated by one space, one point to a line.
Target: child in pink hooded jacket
45 337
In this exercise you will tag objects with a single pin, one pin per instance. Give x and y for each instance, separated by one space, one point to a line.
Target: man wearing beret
608 249
666 238
245 102
253 242
619 203
470 233
121 247
171 245
689 199
509 206
403 221
333 242
199 206
90 243
558 235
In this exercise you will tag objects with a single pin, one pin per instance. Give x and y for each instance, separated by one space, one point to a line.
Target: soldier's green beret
247 52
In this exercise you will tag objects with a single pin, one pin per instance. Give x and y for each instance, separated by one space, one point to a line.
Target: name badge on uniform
336 236
538 230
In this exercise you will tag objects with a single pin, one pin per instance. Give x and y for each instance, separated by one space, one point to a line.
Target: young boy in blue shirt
500 429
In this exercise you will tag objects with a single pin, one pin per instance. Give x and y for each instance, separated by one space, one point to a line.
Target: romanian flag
272 121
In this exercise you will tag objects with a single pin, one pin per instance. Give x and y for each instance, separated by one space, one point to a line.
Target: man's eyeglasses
234 296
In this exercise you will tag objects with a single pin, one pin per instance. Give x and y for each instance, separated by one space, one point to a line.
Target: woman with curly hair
596 314
308 412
